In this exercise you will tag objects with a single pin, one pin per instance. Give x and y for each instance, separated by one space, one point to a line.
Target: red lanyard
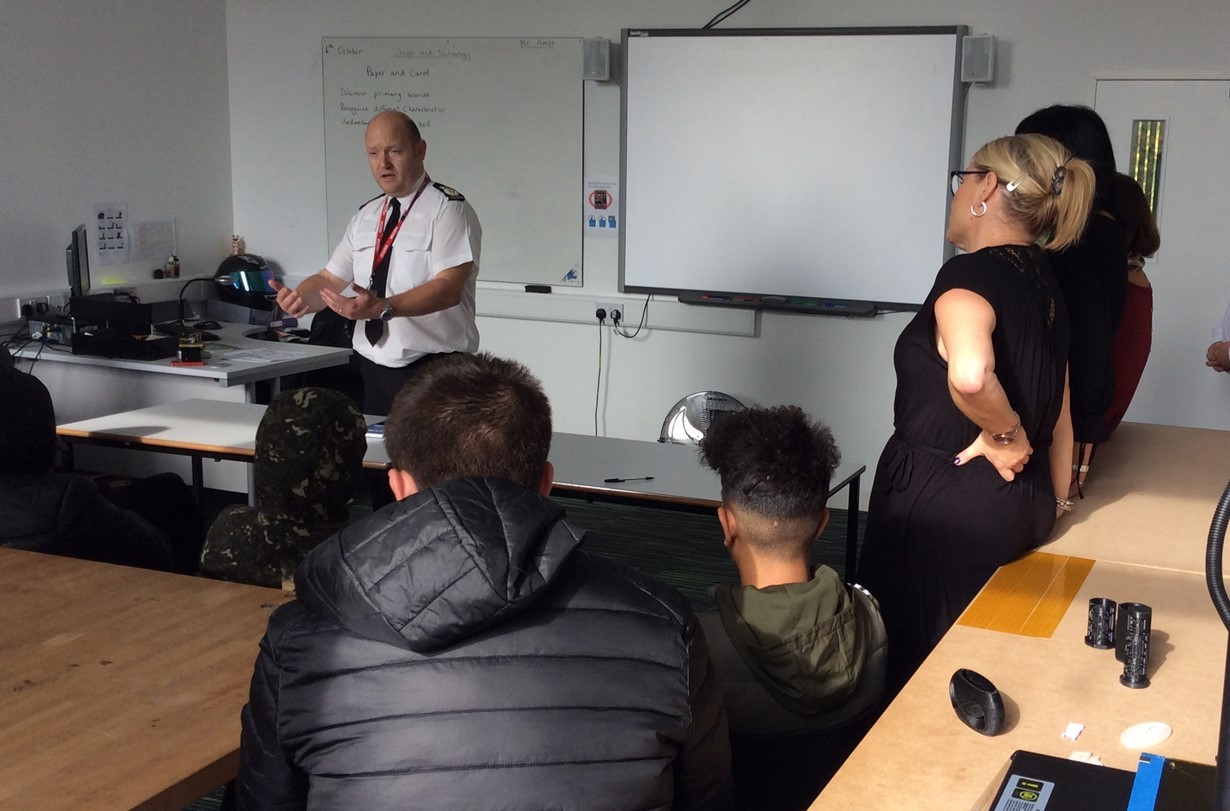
383 245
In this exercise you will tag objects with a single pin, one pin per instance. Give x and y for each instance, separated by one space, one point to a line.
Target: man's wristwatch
386 312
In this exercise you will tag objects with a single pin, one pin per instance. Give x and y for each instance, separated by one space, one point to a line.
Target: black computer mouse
207 325
976 702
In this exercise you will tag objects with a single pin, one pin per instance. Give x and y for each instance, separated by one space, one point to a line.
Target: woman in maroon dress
1134 338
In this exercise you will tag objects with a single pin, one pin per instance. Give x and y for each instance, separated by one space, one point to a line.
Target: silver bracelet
1064 504
1007 437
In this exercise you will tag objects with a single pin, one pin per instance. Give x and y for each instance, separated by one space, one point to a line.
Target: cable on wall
725 13
600 315
640 324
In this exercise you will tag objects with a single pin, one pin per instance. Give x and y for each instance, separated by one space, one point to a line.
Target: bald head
398 121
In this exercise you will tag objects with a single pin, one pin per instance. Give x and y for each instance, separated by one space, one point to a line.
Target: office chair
330 329
689 419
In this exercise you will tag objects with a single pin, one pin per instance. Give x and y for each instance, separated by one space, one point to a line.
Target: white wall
132 105
211 113
1050 51
111 102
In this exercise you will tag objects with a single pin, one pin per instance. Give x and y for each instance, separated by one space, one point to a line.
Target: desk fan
689 419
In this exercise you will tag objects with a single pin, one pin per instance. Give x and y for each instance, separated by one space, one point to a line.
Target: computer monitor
77 258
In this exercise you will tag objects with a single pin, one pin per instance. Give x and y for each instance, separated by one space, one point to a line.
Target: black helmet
243 279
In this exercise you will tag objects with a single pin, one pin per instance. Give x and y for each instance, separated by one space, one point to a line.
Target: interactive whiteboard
789 166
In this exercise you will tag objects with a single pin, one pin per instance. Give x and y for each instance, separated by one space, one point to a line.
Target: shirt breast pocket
411 260
412 242
364 243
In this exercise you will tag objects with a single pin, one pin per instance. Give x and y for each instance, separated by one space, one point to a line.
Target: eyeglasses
957 177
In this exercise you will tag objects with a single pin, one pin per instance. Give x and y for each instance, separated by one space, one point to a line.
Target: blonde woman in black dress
978 467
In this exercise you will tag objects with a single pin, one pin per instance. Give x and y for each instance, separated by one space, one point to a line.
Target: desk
236 360
198 429
919 749
122 687
1141 532
209 429
1151 494
83 387
680 480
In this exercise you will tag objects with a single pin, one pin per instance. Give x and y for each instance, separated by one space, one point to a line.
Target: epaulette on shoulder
450 192
365 202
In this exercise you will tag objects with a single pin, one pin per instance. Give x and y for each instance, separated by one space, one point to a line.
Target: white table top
207 427
234 359
581 462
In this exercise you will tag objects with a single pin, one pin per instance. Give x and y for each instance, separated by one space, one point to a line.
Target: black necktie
374 328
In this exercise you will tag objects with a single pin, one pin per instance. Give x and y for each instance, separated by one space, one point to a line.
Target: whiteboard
790 163
502 117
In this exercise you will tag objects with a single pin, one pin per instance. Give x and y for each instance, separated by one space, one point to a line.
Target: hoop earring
974 213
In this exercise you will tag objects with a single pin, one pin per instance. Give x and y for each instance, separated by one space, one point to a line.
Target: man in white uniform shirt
411 258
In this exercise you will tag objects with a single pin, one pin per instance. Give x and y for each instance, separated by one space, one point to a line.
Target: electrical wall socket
35 305
614 312
32 306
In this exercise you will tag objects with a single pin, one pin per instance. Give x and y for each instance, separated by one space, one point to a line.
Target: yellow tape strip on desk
1029 596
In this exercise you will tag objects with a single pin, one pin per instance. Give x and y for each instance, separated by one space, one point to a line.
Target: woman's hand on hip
1008 460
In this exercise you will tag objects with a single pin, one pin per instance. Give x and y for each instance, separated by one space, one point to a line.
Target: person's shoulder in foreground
460 648
53 512
792 644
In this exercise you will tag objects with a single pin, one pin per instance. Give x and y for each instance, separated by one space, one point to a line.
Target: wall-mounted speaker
597 62
977 58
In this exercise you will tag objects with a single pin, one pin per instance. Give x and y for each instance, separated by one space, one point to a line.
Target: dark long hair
1084 133
1138 221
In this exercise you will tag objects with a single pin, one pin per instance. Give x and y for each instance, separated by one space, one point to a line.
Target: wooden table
121 687
1138 536
1034 652
1150 497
